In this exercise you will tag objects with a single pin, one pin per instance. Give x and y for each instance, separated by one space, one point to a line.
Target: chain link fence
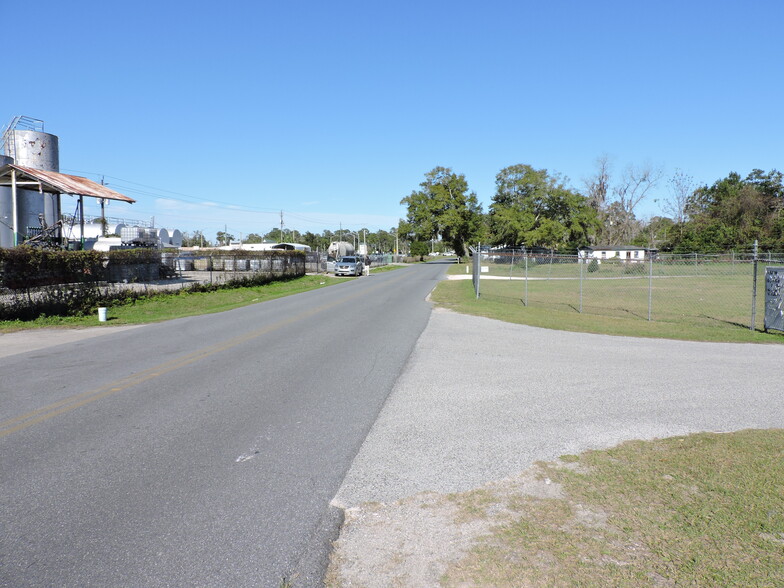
697 288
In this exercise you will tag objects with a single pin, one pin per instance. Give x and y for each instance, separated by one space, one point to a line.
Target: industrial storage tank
115 229
91 231
25 141
175 237
338 249
33 148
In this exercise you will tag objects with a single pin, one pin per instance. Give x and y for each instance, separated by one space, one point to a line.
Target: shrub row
73 283
28 267
80 299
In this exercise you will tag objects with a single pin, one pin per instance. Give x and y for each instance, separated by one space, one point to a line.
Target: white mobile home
625 253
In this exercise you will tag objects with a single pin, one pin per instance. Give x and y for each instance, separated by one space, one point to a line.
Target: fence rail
697 288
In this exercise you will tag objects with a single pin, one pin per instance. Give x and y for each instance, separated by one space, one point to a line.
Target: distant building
625 253
267 247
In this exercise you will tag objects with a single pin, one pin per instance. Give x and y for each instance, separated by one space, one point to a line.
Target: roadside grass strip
701 510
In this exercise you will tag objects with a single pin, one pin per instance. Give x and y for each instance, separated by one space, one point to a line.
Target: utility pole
281 226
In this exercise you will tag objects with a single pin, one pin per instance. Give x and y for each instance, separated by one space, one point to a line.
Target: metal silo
25 141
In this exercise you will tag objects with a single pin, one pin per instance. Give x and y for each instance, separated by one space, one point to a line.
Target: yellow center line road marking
15 424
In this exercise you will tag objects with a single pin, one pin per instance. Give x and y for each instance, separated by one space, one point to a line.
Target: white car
349 265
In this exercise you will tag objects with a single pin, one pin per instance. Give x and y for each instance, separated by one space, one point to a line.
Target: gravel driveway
482 400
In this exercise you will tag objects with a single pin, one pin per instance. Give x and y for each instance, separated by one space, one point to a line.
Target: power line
217 207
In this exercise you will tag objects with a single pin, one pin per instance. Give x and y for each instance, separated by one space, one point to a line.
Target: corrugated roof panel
67 184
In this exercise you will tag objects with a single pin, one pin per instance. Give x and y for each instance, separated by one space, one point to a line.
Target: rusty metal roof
55 182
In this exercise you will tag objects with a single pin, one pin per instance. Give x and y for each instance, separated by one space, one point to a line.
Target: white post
15 223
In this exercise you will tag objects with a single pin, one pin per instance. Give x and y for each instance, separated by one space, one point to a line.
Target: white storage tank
175 237
25 141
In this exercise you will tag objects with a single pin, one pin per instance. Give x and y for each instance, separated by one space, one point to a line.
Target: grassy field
713 306
702 510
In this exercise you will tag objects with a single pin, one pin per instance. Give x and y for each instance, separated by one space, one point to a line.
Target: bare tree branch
598 185
634 186
681 189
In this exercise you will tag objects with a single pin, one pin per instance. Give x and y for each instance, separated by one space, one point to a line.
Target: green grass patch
704 307
701 510
552 306
166 306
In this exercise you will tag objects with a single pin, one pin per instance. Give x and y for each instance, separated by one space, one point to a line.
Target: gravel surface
482 400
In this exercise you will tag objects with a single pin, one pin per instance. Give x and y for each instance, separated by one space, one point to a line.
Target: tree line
536 208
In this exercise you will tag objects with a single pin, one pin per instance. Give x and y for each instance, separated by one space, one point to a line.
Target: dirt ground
413 541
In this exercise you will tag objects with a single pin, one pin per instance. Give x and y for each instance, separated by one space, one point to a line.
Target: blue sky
216 115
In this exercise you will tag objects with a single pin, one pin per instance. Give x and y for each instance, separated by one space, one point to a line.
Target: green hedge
39 282
28 267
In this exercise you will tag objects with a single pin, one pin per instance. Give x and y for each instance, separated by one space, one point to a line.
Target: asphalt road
202 451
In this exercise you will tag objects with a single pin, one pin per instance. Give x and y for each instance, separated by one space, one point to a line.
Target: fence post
650 285
754 290
476 267
511 265
580 263
526 277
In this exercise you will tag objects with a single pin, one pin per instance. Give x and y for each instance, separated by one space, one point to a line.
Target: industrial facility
31 187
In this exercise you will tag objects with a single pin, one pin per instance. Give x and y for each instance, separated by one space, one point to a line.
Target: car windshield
348 260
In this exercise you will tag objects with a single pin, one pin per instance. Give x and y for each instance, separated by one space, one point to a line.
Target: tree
443 207
656 234
681 189
533 208
315 242
274 235
597 186
383 241
195 239
254 238
224 238
420 249
734 212
634 186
